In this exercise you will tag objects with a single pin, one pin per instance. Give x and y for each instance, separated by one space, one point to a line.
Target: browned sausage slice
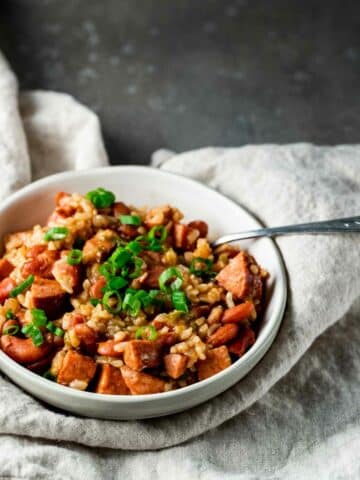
96 289
239 313
151 280
223 334
49 296
216 360
201 226
40 263
175 364
111 381
68 276
6 286
23 350
245 340
97 247
87 338
238 278
139 354
76 367
6 268
107 349
140 383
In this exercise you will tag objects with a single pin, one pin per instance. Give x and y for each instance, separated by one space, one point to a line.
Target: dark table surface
183 74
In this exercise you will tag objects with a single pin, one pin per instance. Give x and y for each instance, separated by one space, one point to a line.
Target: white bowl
146 186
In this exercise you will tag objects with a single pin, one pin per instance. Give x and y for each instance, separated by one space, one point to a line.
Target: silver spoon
340 225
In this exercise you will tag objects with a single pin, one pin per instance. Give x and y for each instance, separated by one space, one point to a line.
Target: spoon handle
340 225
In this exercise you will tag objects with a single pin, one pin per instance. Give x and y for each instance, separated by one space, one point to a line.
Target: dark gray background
189 73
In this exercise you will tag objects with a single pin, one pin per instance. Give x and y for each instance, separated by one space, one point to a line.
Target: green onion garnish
132 302
135 247
9 315
149 332
120 257
116 283
11 330
101 198
33 332
74 257
39 318
22 286
107 270
138 264
106 301
158 233
94 301
56 233
167 275
59 332
179 301
201 267
130 220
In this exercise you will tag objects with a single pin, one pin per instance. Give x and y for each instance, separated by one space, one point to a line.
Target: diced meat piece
167 339
96 289
111 381
23 350
6 268
128 231
184 236
100 245
238 277
158 216
119 208
40 366
175 364
49 296
239 313
76 370
223 334
61 198
68 276
140 354
243 342
6 285
63 210
216 360
150 257
151 280
87 338
40 263
201 226
140 383
107 349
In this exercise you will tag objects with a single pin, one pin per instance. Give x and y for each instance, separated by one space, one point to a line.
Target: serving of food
114 299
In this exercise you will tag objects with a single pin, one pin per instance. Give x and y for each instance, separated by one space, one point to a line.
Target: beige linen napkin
279 185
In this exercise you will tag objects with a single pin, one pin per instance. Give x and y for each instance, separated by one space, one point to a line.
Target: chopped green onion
167 275
130 220
101 198
56 233
135 247
179 301
94 301
116 283
33 332
132 303
138 264
39 317
106 301
149 332
158 233
59 332
22 286
120 257
205 267
107 270
155 246
9 315
11 330
49 376
26 329
74 257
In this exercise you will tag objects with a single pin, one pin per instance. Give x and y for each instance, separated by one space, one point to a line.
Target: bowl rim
257 350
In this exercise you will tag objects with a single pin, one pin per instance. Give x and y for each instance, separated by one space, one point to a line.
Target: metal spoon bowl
340 225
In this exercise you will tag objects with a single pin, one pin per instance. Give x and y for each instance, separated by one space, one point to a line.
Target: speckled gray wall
188 73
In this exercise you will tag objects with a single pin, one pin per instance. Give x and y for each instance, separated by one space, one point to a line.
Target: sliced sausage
6 268
175 364
120 208
158 216
238 278
140 383
107 349
40 263
100 245
68 276
151 279
76 367
96 289
128 231
243 342
216 360
6 286
23 350
223 334
201 226
87 338
111 381
239 313
49 296
140 354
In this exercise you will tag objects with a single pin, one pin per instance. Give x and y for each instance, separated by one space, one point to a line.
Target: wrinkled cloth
287 418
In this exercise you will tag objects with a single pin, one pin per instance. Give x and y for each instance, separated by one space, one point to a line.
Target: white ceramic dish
147 186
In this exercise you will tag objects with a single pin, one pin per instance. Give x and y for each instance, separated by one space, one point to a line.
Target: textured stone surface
183 74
